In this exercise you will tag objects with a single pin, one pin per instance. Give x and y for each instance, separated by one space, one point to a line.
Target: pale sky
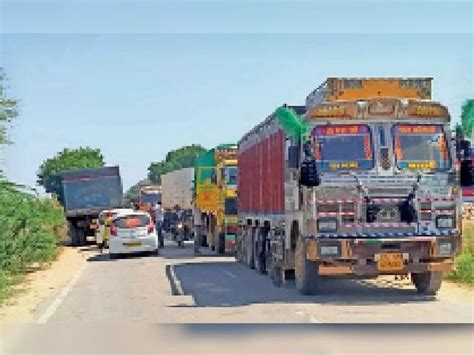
137 79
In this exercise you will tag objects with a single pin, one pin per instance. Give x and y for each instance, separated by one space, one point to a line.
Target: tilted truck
86 192
359 182
215 197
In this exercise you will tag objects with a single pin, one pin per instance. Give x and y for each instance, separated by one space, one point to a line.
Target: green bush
465 261
30 229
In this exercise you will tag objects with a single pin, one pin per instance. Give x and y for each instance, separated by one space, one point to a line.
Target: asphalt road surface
177 287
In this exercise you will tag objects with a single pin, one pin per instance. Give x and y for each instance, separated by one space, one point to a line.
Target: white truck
176 187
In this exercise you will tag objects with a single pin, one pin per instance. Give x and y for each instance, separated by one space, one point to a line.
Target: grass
464 272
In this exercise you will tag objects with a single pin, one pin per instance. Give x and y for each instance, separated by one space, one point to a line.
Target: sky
137 79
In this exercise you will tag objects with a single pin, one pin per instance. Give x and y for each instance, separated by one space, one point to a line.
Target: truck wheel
221 243
249 246
306 276
81 236
73 234
427 283
258 256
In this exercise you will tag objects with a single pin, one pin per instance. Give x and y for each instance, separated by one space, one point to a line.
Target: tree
467 118
133 191
8 108
180 158
49 174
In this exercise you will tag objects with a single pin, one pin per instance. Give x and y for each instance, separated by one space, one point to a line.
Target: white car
99 236
132 233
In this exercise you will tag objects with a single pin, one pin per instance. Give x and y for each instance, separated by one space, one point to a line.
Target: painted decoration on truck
343 147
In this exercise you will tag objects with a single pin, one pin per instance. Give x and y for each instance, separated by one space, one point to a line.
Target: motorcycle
179 234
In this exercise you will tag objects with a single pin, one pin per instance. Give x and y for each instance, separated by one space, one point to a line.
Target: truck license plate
132 244
390 262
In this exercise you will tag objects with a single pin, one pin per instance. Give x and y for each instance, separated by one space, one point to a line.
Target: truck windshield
343 147
151 197
421 147
230 175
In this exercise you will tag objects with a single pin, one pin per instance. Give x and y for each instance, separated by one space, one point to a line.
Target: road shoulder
41 285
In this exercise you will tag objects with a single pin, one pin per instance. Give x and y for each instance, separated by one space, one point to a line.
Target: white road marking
230 274
176 280
53 307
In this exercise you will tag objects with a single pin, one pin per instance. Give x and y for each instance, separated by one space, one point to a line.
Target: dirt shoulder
40 285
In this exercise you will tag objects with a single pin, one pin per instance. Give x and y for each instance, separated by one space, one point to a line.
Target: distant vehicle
86 192
101 228
132 232
148 196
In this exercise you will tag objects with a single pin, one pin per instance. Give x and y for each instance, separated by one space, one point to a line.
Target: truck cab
388 201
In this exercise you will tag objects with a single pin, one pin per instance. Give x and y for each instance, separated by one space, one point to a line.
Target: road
177 287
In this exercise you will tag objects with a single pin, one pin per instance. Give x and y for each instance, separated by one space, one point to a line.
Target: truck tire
221 243
427 283
306 276
73 234
81 236
249 246
258 254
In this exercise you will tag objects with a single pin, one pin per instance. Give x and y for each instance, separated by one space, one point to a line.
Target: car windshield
132 221
343 147
421 147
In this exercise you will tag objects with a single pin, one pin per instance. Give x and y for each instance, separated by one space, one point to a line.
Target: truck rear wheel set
427 283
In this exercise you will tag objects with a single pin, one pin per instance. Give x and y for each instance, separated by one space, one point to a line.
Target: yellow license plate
132 244
390 262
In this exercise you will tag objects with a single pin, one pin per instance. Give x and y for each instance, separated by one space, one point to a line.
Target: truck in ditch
359 182
86 192
215 199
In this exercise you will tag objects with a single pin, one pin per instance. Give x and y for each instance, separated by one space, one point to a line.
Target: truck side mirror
293 157
309 175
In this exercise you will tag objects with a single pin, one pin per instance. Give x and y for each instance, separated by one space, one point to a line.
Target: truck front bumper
363 256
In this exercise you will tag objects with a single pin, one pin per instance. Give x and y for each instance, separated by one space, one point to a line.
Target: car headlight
445 222
327 224
445 248
329 250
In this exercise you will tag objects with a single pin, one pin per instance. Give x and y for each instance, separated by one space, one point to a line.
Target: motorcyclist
178 224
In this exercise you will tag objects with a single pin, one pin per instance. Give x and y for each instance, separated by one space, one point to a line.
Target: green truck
215 198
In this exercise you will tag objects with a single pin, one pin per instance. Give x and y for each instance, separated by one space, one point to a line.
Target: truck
358 182
86 192
177 189
215 198
465 155
148 195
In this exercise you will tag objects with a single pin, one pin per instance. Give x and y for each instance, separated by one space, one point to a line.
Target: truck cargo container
87 192
359 182
177 189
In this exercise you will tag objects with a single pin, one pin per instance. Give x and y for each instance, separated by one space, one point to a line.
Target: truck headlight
445 248
329 250
445 222
327 224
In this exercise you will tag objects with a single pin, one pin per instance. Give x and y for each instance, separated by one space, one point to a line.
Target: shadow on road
106 256
230 284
